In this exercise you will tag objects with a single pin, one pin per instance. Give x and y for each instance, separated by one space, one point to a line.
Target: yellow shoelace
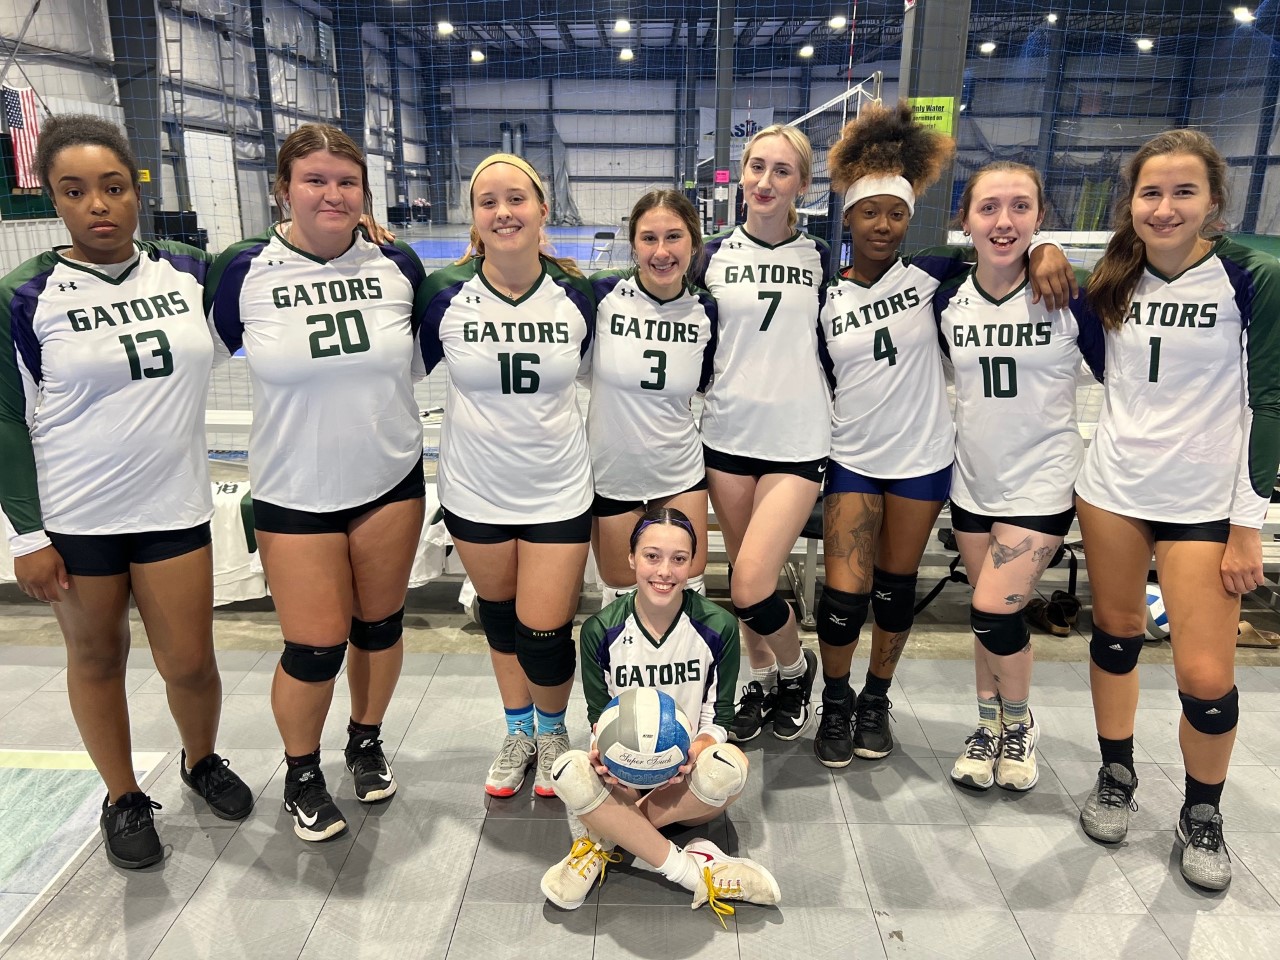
718 906
587 851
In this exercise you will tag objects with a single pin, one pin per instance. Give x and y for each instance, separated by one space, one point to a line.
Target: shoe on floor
1017 768
568 882
753 712
872 738
228 796
371 774
1205 860
507 772
791 708
976 767
725 878
550 747
306 798
833 743
129 831
1105 816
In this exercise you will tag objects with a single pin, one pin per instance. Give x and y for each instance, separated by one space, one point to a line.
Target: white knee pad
609 594
577 784
719 774
697 585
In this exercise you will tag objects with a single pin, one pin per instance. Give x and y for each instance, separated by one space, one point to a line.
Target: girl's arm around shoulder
1091 336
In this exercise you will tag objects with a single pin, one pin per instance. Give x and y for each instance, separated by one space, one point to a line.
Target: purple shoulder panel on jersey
1091 337
712 310
429 341
582 301
226 296
198 267
941 298
22 314
602 283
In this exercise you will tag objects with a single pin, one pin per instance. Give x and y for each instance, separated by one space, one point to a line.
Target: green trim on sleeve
591 642
1262 360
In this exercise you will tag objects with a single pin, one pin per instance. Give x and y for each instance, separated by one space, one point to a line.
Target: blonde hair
1116 276
475 246
311 138
804 153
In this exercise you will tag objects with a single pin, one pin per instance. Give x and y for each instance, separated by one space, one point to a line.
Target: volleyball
1157 619
643 737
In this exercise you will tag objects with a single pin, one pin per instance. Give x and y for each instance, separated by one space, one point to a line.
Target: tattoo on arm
1002 553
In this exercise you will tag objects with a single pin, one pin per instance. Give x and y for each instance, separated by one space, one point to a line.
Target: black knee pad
841 616
1118 655
1003 634
766 617
1212 716
312 664
893 600
546 656
498 617
380 635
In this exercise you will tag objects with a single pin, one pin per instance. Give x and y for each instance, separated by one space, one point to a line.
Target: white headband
881 186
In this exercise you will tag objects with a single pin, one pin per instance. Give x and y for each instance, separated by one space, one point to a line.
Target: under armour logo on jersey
470 299
626 639
69 285
626 292
274 263
884 594
963 301
734 245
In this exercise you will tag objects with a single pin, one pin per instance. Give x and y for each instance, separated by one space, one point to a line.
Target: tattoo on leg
1002 553
851 527
1043 554
897 642
1014 599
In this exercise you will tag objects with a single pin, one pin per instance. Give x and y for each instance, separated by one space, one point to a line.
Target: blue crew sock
551 722
520 720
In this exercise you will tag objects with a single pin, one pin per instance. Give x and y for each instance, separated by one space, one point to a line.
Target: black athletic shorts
1211 531
270 518
574 530
109 554
606 507
754 467
1055 525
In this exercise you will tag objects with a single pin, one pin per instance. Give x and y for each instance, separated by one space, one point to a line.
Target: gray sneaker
515 757
550 747
1205 861
1105 816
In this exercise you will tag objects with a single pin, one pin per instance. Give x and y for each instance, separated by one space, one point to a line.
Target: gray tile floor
883 859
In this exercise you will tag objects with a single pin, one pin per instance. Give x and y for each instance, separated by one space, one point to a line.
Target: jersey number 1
136 370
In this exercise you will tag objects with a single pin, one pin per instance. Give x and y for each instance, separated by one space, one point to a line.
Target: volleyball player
652 351
104 477
1182 465
512 326
662 623
766 422
1018 451
892 435
327 321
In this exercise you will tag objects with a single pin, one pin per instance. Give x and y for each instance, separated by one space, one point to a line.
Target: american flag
24 128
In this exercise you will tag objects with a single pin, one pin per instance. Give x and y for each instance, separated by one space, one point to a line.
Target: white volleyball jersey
102 396
767 397
237 567
1018 450
650 356
513 447
695 662
331 353
1190 426
891 418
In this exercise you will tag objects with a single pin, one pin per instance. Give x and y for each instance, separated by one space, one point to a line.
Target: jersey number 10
999 377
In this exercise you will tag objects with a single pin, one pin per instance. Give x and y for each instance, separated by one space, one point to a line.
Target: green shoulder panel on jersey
591 641
223 260
449 276
560 275
1255 277
19 493
181 249
720 621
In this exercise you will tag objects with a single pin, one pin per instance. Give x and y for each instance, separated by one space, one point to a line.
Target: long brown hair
804 152
679 204
1117 274
308 139
475 246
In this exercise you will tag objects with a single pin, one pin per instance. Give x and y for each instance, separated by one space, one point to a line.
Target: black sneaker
315 815
872 738
754 710
370 771
228 796
129 830
791 710
833 742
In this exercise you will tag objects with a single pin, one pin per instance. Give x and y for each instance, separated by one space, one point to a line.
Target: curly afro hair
886 141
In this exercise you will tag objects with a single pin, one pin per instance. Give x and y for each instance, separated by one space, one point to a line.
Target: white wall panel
597 164
498 94
607 128
614 95
215 195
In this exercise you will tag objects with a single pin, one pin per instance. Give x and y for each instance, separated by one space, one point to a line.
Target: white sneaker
506 773
568 883
722 877
550 747
1017 768
976 766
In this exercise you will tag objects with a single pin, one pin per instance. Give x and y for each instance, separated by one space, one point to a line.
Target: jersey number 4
160 352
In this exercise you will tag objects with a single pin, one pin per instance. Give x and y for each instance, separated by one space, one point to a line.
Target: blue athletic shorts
934 486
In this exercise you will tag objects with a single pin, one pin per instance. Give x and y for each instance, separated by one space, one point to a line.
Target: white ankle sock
789 671
680 868
767 676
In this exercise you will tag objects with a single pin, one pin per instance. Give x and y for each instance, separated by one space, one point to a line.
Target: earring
1037 231
966 233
